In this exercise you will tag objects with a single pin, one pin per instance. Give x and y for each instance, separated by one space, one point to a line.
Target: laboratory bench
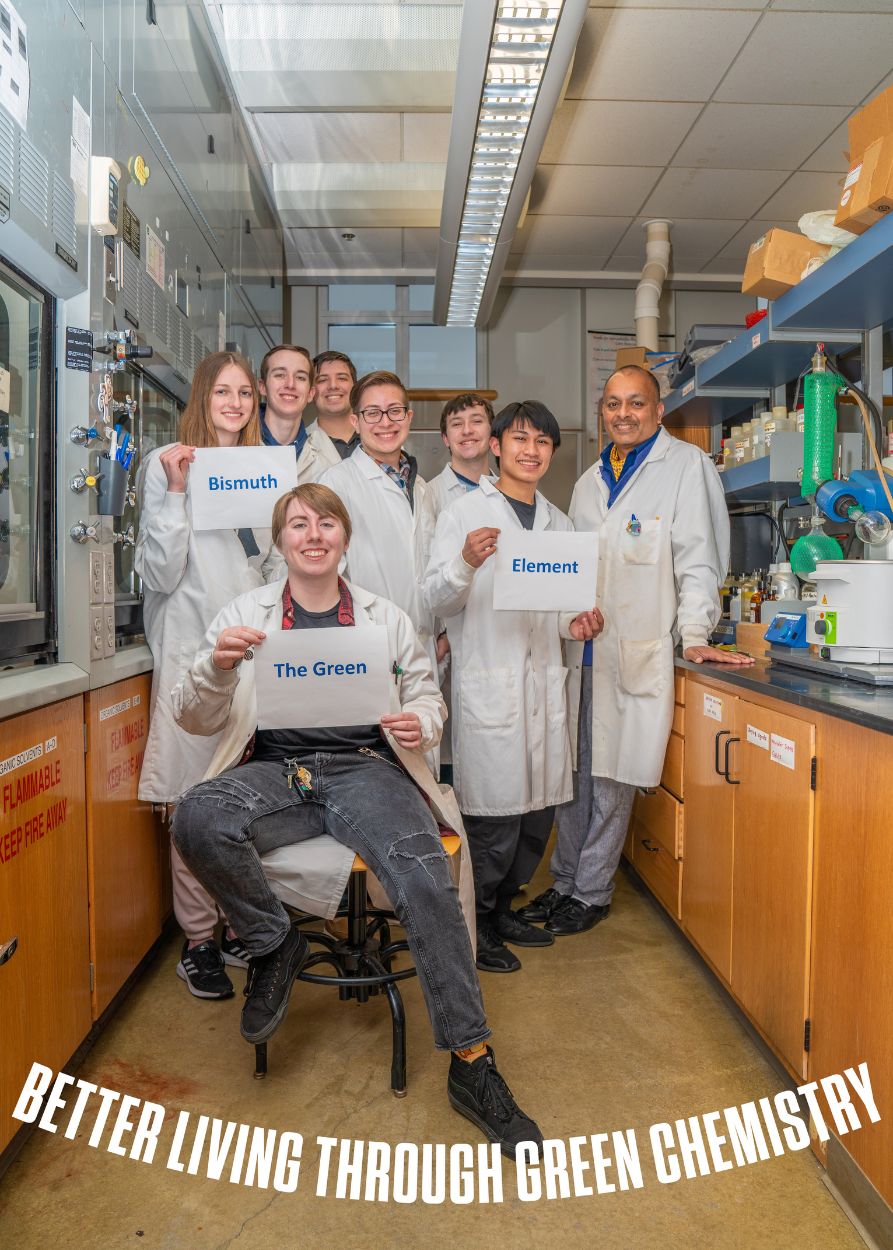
768 842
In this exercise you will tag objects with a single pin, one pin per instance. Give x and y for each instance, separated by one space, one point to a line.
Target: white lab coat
187 578
222 704
318 454
444 489
653 588
389 548
511 749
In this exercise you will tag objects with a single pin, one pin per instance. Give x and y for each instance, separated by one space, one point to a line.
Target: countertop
849 700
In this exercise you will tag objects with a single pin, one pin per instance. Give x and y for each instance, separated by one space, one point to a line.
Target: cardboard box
776 262
631 356
870 123
868 188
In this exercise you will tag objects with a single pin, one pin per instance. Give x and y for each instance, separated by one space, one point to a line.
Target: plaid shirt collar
345 606
400 475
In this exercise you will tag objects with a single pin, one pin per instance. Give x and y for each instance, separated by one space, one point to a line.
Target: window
389 327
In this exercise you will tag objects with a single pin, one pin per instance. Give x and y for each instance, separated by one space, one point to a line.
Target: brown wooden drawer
660 872
630 841
678 720
679 688
671 777
660 817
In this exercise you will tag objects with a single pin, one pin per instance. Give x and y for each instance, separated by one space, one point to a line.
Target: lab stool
363 963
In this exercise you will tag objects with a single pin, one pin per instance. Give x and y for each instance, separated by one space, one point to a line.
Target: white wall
535 349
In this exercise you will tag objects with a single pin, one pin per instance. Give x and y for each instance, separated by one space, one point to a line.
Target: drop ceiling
725 116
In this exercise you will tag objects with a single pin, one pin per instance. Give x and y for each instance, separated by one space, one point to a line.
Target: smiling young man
388 502
366 786
511 748
287 384
658 507
333 431
465 429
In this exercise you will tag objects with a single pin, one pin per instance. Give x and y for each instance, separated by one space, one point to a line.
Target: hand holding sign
233 645
587 625
479 546
406 728
176 461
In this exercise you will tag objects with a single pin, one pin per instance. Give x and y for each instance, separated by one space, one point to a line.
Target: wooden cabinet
127 848
655 836
852 970
45 984
709 800
772 873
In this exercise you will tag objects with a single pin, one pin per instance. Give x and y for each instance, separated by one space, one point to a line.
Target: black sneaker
493 955
538 910
576 917
477 1091
511 928
234 951
270 978
202 970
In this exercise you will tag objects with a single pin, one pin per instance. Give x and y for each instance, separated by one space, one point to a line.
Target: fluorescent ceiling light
513 60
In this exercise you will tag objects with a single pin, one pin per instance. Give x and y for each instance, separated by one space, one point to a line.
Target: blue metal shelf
751 483
766 356
687 407
851 291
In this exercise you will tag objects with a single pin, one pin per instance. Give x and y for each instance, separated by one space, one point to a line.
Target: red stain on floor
129 1078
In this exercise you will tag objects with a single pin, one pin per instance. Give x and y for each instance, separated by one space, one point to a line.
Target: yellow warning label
824 598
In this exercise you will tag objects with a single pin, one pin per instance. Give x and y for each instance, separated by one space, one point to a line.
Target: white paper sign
758 737
781 751
712 707
236 487
545 571
321 678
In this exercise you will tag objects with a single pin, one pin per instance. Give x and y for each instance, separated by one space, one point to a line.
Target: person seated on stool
365 785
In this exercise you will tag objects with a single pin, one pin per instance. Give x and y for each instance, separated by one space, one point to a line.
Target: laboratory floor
615 1029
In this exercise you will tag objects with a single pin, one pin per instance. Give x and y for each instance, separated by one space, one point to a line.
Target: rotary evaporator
851 621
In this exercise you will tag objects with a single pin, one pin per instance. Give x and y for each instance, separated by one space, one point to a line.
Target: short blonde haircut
196 427
321 499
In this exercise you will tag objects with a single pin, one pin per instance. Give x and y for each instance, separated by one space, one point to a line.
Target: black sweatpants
505 853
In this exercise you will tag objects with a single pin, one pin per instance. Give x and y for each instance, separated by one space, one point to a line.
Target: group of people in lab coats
551 713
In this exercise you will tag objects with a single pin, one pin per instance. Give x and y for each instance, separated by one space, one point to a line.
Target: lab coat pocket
642 547
489 698
642 669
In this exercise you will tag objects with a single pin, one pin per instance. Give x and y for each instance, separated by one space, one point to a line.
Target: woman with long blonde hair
187 578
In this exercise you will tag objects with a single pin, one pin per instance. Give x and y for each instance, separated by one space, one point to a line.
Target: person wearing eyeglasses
389 504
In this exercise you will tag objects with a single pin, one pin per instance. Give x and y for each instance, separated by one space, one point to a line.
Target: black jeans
505 853
222 827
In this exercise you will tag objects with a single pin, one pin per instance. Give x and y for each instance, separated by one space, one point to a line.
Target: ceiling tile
420 248
804 193
326 249
658 54
833 6
731 193
590 190
330 137
617 132
734 136
831 156
811 58
426 136
692 4
566 243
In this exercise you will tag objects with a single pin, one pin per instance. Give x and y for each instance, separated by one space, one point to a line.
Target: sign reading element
236 487
321 678
545 571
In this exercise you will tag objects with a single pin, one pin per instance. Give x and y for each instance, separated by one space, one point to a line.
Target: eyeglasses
396 413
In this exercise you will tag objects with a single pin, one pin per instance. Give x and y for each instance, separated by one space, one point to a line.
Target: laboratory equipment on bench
852 618
788 630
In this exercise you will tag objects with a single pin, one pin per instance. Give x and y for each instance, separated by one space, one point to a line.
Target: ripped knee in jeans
203 807
421 849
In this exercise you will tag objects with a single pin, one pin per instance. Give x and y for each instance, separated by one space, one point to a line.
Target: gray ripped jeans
222 827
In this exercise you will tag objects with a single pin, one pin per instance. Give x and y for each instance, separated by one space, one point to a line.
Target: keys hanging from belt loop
295 774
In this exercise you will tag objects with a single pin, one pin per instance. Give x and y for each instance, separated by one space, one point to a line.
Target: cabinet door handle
725 768
716 766
646 789
646 842
8 949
